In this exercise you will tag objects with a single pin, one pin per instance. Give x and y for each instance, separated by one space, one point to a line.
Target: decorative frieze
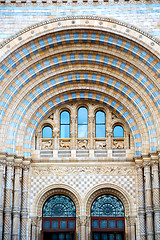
105 170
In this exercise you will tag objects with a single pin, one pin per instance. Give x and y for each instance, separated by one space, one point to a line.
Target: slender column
17 202
82 222
141 210
133 230
128 235
8 198
91 132
2 170
109 136
156 198
87 227
34 226
73 126
24 212
73 132
148 201
56 130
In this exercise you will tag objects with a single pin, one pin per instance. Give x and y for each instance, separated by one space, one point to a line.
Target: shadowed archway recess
83 58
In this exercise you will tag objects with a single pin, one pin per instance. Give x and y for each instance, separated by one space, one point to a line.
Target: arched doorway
107 218
58 218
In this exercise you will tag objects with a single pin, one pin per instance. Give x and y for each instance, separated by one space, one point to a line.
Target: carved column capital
131 220
146 164
83 221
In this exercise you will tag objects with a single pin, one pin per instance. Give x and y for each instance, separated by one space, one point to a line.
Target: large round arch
42 68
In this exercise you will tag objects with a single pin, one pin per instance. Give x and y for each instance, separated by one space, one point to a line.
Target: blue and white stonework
60 56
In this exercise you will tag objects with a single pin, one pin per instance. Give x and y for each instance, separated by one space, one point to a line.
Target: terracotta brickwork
63 64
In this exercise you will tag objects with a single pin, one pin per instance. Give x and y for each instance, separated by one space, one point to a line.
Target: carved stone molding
76 17
54 191
108 190
81 170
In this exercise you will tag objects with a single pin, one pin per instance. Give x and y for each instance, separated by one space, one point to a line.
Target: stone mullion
8 199
141 207
24 211
91 131
56 130
2 164
17 202
148 201
156 198
73 127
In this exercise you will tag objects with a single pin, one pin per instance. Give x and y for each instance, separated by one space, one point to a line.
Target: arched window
59 206
107 218
118 131
107 206
59 218
100 124
47 132
65 125
82 122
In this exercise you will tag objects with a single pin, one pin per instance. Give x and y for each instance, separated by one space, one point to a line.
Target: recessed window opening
100 124
118 131
82 122
47 132
65 124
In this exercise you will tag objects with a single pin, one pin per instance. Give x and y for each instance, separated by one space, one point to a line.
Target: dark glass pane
68 236
107 206
103 224
120 224
104 236
61 236
71 224
100 131
111 224
82 131
118 131
55 224
59 206
54 236
96 236
119 236
46 224
111 236
100 117
65 117
95 223
63 224
47 132
82 115
65 131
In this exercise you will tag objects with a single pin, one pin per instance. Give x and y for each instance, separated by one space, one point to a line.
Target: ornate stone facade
61 65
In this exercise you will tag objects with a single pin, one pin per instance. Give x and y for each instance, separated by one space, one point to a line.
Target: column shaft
2 162
156 199
148 201
141 212
24 212
16 203
8 201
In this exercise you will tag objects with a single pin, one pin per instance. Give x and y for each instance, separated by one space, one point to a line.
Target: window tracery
59 206
107 206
